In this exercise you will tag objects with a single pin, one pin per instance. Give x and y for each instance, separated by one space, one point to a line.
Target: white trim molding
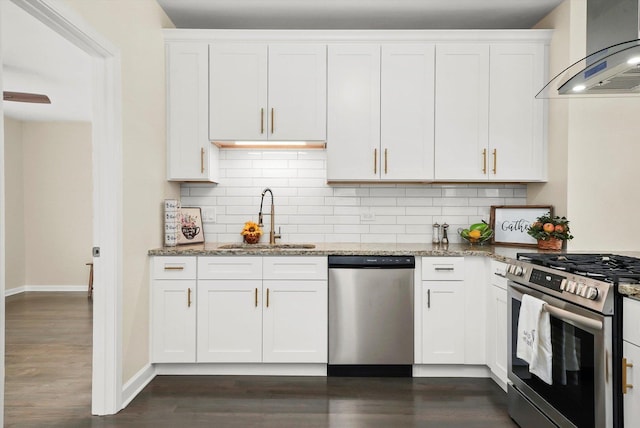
46 289
107 196
241 369
136 384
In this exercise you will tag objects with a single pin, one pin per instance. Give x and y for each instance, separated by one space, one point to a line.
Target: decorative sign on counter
190 226
511 223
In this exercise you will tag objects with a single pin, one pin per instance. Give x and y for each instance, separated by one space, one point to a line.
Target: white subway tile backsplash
309 210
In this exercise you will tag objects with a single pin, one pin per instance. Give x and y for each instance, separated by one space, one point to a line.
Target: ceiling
357 14
38 60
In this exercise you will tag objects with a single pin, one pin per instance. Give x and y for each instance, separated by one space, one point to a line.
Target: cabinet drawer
229 267
631 321
295 267
443 268
497 272
174 268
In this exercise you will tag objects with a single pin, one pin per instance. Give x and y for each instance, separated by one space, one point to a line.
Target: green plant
546 227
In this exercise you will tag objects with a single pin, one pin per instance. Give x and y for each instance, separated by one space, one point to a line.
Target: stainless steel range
580 295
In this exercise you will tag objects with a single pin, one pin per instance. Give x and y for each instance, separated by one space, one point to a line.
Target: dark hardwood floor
48 371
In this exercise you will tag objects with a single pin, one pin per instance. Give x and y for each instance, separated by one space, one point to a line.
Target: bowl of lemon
477 233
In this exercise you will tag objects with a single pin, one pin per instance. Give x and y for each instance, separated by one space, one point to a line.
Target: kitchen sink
267 246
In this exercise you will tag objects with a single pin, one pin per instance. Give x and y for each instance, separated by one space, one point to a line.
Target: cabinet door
297 92
173 321
516 129
353 112
462 112
295 321
229 321
497 332
190 154
407 115
631 409
238 92
443 322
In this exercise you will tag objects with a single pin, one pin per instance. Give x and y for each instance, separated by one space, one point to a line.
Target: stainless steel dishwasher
371 315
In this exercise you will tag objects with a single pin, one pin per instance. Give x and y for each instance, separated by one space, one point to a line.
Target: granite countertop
500 253
504 254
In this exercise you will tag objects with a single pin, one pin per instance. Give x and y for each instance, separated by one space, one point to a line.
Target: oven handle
566 315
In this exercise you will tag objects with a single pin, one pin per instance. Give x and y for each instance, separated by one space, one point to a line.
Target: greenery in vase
546 227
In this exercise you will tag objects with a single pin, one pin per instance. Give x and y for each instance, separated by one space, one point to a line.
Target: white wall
14 194
134 27
309 210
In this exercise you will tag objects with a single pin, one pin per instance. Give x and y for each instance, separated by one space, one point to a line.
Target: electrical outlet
367 216
209 215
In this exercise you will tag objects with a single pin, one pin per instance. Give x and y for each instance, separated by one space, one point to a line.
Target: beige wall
135 28
57 202
14 197
594 151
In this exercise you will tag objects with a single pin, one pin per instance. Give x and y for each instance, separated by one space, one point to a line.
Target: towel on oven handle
534 338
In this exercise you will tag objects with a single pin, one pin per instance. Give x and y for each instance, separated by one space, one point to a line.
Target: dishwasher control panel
372 262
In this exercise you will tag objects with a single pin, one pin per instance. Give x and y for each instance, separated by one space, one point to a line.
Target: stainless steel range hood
613 66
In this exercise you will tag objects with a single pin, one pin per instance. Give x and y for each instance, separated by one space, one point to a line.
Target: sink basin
267 246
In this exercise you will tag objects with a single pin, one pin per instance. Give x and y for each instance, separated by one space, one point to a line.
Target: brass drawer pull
385 161
267 297
256 299
625 366
375 161
495 161
188 297
202 160
429 299
174 268
484 161
262 121
272 115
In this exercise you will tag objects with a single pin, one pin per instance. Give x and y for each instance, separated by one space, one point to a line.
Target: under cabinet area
248 310
267 92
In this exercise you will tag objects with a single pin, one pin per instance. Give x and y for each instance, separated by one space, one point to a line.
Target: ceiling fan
25 97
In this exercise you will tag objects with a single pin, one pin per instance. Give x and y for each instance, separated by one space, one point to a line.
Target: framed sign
190 226
510 223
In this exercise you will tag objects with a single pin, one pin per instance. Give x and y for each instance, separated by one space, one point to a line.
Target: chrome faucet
272 234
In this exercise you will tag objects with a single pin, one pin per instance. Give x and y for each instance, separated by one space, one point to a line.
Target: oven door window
573 390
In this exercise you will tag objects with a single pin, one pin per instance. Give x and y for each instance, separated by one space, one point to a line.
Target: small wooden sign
190 226
510 223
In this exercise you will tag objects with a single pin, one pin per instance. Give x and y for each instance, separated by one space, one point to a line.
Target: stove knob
580 289
571 286
592 293
563 284
518 271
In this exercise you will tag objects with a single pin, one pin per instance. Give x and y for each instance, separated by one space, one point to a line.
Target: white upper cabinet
260 92
516 118
380 112
489 126
462 112
353 112
191 157
407 115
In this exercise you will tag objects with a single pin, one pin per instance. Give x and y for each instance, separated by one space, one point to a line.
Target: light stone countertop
500 253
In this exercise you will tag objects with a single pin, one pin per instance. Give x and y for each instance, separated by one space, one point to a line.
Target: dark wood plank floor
48 385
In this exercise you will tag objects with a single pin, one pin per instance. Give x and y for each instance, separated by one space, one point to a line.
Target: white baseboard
446 370
45 288
138 381
241 369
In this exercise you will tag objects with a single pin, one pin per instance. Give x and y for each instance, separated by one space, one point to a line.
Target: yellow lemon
474 234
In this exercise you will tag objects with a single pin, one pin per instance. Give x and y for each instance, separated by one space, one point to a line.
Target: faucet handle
278 235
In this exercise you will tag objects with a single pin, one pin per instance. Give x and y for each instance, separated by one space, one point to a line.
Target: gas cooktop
605 267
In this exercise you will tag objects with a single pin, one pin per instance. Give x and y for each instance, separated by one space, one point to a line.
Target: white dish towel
534 338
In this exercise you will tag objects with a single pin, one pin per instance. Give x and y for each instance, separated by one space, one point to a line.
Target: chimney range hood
613 67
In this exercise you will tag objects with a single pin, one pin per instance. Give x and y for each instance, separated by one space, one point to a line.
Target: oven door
581 392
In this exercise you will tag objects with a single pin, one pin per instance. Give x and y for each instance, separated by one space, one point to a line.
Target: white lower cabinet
442 322
248 310
497 323
229 321
631 355
173 310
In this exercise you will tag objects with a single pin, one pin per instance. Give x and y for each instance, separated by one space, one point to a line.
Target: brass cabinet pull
484 161
267 297
429 299
256 304
495 161
174 268
202 160
385 161
375 161
272 115
625 366
188 297
262 121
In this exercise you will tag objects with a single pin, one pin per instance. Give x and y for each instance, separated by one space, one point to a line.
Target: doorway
107 200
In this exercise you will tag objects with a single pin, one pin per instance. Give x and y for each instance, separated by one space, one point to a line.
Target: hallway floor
48 384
